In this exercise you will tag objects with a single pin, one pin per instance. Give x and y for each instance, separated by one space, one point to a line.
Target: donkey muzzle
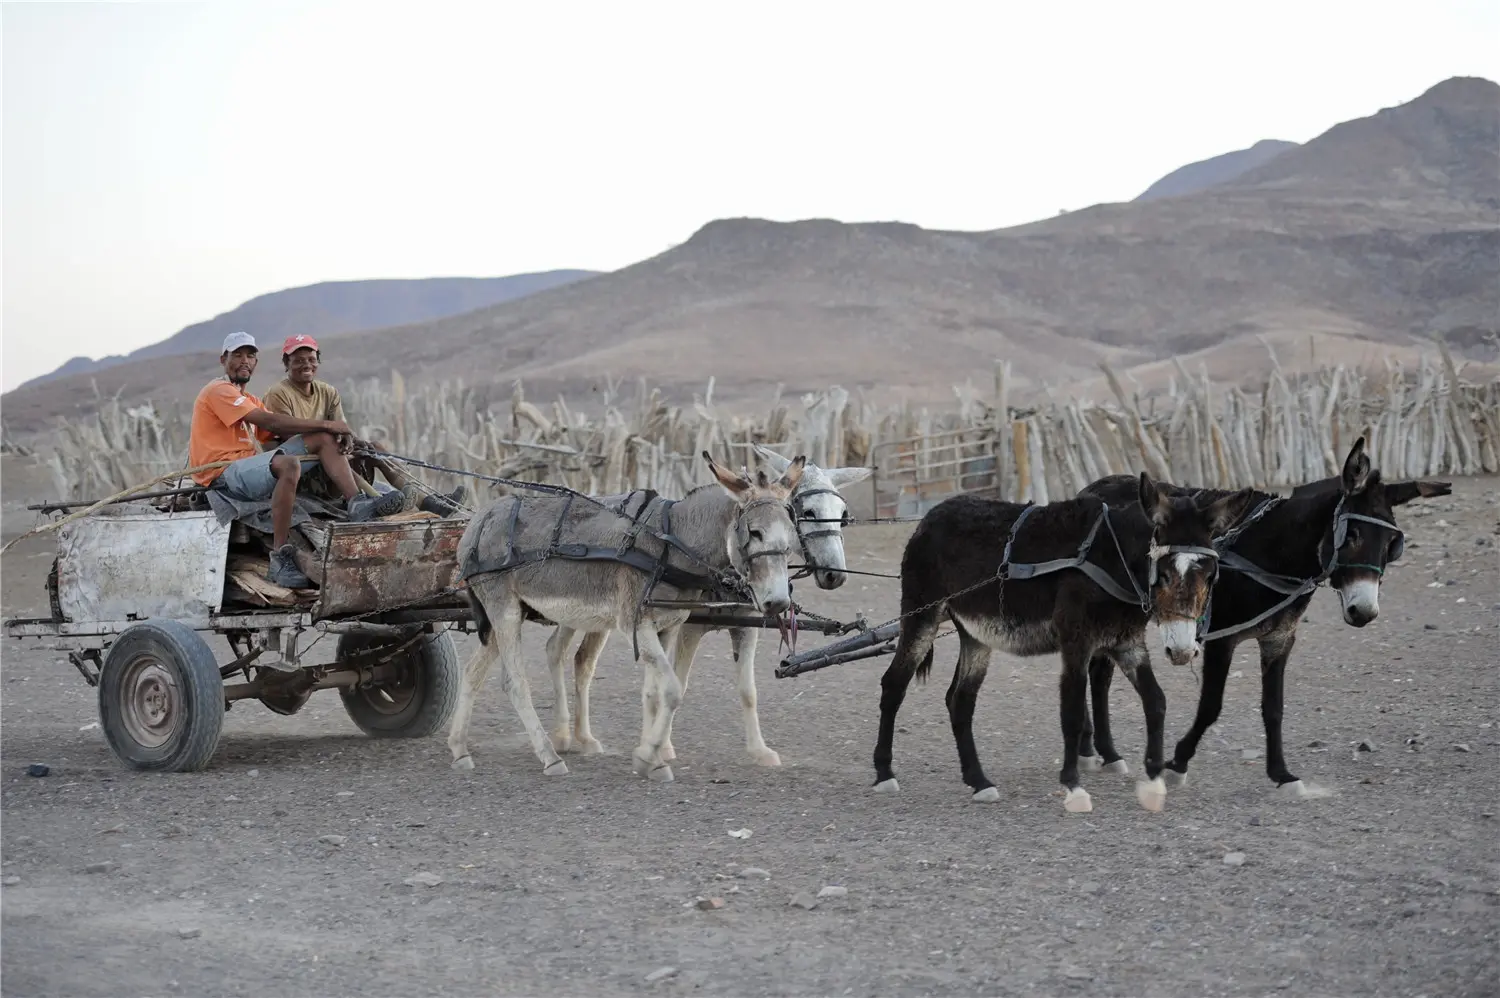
1360 601
1180 639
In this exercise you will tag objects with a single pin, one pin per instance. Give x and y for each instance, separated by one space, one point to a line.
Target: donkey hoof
887 786
590 746
558 768
1089 763
1174 778
1078 801
1119 768
766 758
1152 794
661 774
987 796
562 741
463 762
1297 790
667 753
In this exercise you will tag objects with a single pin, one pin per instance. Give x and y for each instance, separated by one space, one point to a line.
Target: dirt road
218 883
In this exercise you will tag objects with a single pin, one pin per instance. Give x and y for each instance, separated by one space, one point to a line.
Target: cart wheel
161 700
421 699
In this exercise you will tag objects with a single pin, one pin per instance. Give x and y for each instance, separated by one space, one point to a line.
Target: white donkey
563 559
821 513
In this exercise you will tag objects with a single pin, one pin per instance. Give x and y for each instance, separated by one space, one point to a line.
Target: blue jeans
250 479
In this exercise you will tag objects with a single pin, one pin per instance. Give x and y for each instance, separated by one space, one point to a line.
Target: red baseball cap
295 343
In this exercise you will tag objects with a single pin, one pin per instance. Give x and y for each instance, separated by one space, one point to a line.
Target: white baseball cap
234 341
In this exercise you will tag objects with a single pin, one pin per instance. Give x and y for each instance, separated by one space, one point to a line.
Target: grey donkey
741 525
820 513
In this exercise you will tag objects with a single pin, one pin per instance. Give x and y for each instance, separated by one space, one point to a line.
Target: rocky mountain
334 308
1362 244
1217 170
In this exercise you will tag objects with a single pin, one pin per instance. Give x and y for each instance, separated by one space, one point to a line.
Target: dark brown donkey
1073 577
1340 531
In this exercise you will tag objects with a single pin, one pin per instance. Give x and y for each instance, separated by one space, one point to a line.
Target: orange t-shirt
219 432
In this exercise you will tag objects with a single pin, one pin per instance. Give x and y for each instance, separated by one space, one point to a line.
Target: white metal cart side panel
120 564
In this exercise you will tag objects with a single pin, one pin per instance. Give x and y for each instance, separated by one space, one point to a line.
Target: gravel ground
222 881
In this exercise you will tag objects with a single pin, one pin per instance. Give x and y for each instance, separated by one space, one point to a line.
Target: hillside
1217 170
332 308
1361 244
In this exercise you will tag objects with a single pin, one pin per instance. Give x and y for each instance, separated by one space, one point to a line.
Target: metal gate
913 475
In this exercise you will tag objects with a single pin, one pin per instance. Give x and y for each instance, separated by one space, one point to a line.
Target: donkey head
1365 538
761 537
821 515
1183 564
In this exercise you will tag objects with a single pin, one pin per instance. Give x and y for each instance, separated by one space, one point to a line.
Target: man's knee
317 440
286 468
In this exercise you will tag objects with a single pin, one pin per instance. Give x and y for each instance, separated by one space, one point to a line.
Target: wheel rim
152 701
392 697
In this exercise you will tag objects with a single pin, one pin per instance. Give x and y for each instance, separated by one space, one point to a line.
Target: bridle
1154 555
1341 520
810 564
742 531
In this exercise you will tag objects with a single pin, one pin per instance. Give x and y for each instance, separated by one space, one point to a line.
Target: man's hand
338 428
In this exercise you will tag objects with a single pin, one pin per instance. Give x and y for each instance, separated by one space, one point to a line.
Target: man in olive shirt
302 396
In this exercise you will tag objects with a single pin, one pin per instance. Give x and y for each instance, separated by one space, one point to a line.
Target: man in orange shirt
227 423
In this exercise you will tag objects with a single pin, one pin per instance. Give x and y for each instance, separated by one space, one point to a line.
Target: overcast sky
164 162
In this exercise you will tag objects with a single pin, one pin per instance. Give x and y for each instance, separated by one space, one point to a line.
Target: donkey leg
507 637
669 693
973 664
913 652
474 675
681 644
1072 705
743 642
562 724
585 659
650 688
1275 649
1101 675
1088 760
1216 658
1152 791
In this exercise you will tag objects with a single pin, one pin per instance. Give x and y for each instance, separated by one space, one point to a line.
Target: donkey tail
915 645
925 666
481 619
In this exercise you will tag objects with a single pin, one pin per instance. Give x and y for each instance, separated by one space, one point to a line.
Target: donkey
962 563
820 513
604 578
1340 530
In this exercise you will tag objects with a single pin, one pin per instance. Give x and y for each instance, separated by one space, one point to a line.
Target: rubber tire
440 676
187 656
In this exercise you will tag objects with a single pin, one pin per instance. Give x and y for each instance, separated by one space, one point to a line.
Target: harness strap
1236 562
1103 579
1256 620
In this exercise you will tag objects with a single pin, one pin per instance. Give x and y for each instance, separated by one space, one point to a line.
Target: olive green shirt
322 402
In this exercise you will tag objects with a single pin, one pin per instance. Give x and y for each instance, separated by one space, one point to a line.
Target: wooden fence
1426 421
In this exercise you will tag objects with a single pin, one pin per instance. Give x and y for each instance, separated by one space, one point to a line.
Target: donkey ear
778 463
1356 469
1401 493
735 485
842 477
793 473
1226 512
1151 503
